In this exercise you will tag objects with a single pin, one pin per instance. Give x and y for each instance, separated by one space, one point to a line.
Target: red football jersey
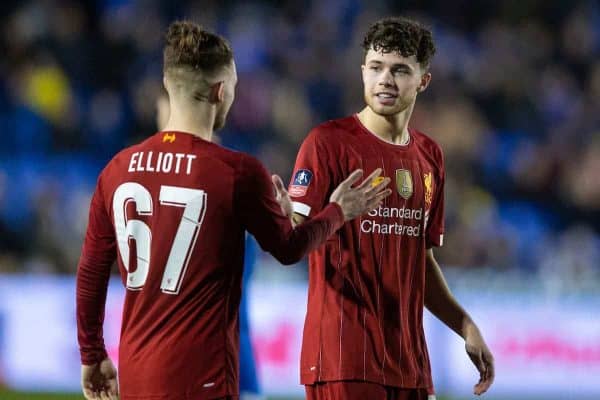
366 284
173 211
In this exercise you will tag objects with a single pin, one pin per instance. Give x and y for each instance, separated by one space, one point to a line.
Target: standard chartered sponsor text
400 227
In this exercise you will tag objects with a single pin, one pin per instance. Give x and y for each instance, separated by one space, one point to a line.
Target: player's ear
425 79
217 92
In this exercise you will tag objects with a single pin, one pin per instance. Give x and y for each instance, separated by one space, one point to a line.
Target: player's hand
282 196
362 198
483 359
99 381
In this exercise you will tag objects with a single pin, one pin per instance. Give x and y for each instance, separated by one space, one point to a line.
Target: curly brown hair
401 35
189 45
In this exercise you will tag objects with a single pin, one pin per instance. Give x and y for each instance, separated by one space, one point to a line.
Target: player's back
173 211
180 246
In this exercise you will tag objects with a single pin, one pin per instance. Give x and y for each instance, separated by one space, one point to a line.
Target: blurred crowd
514 102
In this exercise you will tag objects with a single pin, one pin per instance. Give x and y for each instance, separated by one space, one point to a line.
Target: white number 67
194 203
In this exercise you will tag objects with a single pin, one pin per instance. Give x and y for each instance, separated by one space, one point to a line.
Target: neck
391 128
198 120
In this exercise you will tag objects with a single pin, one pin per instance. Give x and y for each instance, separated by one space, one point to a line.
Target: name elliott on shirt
164 162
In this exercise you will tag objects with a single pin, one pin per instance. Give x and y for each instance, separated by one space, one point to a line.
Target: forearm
92 284
440 301
309 235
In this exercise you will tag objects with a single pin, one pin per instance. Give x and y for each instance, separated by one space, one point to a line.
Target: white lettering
365 225
178 156
167 163
163 162
370 226
132 162
149 163
159 161
417 214
190 158
140 166
393 212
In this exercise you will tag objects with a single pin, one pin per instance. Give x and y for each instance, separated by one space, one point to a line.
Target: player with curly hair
363 334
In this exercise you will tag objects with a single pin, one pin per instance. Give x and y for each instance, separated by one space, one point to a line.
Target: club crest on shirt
300 183
404 183
428 184
168 137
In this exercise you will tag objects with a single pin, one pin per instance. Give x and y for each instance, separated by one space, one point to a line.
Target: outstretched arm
351 201
440 301
269 222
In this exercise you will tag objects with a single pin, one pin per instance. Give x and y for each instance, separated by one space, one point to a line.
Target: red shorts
360 390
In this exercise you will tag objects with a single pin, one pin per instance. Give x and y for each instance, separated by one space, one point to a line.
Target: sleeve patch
300 183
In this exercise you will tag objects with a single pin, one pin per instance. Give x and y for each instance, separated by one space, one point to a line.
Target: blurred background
514 103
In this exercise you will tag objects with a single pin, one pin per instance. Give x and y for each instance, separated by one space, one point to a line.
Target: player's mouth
386 98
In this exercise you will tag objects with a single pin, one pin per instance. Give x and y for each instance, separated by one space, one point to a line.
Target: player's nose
386 80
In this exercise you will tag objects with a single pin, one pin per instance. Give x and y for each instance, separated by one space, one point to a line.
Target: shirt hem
310 378
201 394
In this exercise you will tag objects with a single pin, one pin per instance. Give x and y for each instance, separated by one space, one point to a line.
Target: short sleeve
312 178
434 234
